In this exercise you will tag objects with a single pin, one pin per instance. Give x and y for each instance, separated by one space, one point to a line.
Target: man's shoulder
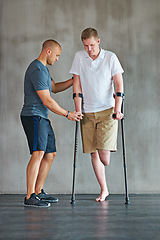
107 52
107 55
36 65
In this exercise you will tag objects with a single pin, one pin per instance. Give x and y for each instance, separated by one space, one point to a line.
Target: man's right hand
75 116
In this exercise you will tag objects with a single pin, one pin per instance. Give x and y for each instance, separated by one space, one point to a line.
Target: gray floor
111 219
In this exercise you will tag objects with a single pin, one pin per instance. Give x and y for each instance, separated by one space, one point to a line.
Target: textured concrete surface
130 28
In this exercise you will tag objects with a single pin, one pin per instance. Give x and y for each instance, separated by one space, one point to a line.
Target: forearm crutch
75 162
75 153
123 146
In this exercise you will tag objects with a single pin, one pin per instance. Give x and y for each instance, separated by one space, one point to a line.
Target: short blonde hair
88 33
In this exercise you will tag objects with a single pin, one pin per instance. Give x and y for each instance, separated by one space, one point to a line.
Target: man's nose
89 48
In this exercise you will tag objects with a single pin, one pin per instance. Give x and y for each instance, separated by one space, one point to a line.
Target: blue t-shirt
37 78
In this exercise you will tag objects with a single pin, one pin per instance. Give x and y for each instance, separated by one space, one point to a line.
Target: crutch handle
114 116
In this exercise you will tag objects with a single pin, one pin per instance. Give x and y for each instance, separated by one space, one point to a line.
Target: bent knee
104 157
105 162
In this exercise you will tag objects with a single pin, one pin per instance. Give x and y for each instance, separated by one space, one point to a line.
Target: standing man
38 86
96 71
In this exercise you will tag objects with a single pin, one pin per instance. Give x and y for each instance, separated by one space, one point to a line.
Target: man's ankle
38 191
28 195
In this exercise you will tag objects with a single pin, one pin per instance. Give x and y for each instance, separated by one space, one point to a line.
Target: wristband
67 114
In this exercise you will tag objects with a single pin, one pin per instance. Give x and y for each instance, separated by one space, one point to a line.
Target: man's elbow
55 88
46 102
55 91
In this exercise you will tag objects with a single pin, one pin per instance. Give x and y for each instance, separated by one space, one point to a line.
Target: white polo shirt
96 79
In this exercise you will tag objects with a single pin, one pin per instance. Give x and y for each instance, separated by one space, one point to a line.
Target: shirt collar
101 55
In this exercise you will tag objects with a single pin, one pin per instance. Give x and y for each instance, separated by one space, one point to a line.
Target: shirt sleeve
115 66
39 80
75 69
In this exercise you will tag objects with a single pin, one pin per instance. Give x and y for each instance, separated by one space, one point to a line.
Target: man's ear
98 40
48 51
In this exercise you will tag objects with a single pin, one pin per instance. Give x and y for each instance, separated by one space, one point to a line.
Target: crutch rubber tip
127 201
73 202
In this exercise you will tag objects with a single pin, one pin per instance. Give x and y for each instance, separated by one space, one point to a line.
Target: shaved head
50 52
50 44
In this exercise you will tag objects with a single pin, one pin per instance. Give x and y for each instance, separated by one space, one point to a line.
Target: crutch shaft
74 164
123 146
124 162
124 154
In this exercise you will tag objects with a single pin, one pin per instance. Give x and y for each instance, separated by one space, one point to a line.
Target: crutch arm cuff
77 95
119 94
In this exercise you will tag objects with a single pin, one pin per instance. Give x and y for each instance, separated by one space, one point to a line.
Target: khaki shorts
99 131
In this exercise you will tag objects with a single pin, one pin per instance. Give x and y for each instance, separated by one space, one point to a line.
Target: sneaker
34 201
46 197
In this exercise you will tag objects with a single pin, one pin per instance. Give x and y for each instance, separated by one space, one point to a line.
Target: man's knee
53 155
94 156
104 156
106 162
38 155
50 156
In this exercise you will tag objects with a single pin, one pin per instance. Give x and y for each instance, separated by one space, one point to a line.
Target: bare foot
102 197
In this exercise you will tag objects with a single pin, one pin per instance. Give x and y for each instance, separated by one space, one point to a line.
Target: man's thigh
99 131
39 134
107 129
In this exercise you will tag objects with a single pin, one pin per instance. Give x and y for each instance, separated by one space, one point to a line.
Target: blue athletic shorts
39 134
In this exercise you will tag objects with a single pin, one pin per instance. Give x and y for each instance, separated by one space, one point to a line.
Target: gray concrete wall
130 28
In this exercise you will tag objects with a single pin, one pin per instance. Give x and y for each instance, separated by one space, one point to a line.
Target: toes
97 199
101 198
